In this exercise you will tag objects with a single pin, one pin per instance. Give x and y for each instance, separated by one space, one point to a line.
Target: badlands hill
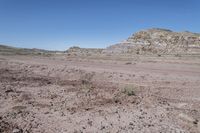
158 41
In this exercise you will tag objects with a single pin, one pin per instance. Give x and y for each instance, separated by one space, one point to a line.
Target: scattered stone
9 90
195 122
188 118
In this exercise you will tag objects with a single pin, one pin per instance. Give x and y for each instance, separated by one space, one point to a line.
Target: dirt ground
61 94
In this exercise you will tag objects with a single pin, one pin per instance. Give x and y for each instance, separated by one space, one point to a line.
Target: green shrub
129 90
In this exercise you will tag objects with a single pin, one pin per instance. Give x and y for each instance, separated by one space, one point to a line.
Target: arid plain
63 93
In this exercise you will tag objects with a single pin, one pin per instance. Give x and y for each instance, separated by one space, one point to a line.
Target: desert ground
99 94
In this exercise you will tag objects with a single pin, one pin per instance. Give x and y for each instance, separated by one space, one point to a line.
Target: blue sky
59 24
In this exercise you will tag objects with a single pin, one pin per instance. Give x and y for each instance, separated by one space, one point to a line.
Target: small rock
17 130
131 124
195 122
46 112
49 82
9 90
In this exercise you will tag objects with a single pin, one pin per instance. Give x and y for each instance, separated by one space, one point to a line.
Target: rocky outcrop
158 41
83 51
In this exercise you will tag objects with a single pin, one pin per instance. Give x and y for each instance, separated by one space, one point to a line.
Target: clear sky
59 24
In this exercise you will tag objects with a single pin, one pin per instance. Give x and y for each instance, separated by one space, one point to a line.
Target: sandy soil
74 95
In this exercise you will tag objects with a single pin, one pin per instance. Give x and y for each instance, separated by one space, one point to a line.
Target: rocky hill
158 41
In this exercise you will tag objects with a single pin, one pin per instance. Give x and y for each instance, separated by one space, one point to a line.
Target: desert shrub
86 78
86 81
129 90
86 87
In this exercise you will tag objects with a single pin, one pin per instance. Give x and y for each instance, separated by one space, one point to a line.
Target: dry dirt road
60 94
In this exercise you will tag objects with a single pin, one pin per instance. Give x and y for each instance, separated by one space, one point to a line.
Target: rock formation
158 41
83 51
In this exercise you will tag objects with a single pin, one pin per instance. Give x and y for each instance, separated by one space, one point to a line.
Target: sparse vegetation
129 90
86 87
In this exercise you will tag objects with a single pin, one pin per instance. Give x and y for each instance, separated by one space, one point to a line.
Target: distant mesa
8 50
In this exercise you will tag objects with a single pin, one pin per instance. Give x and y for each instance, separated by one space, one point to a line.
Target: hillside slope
158 41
